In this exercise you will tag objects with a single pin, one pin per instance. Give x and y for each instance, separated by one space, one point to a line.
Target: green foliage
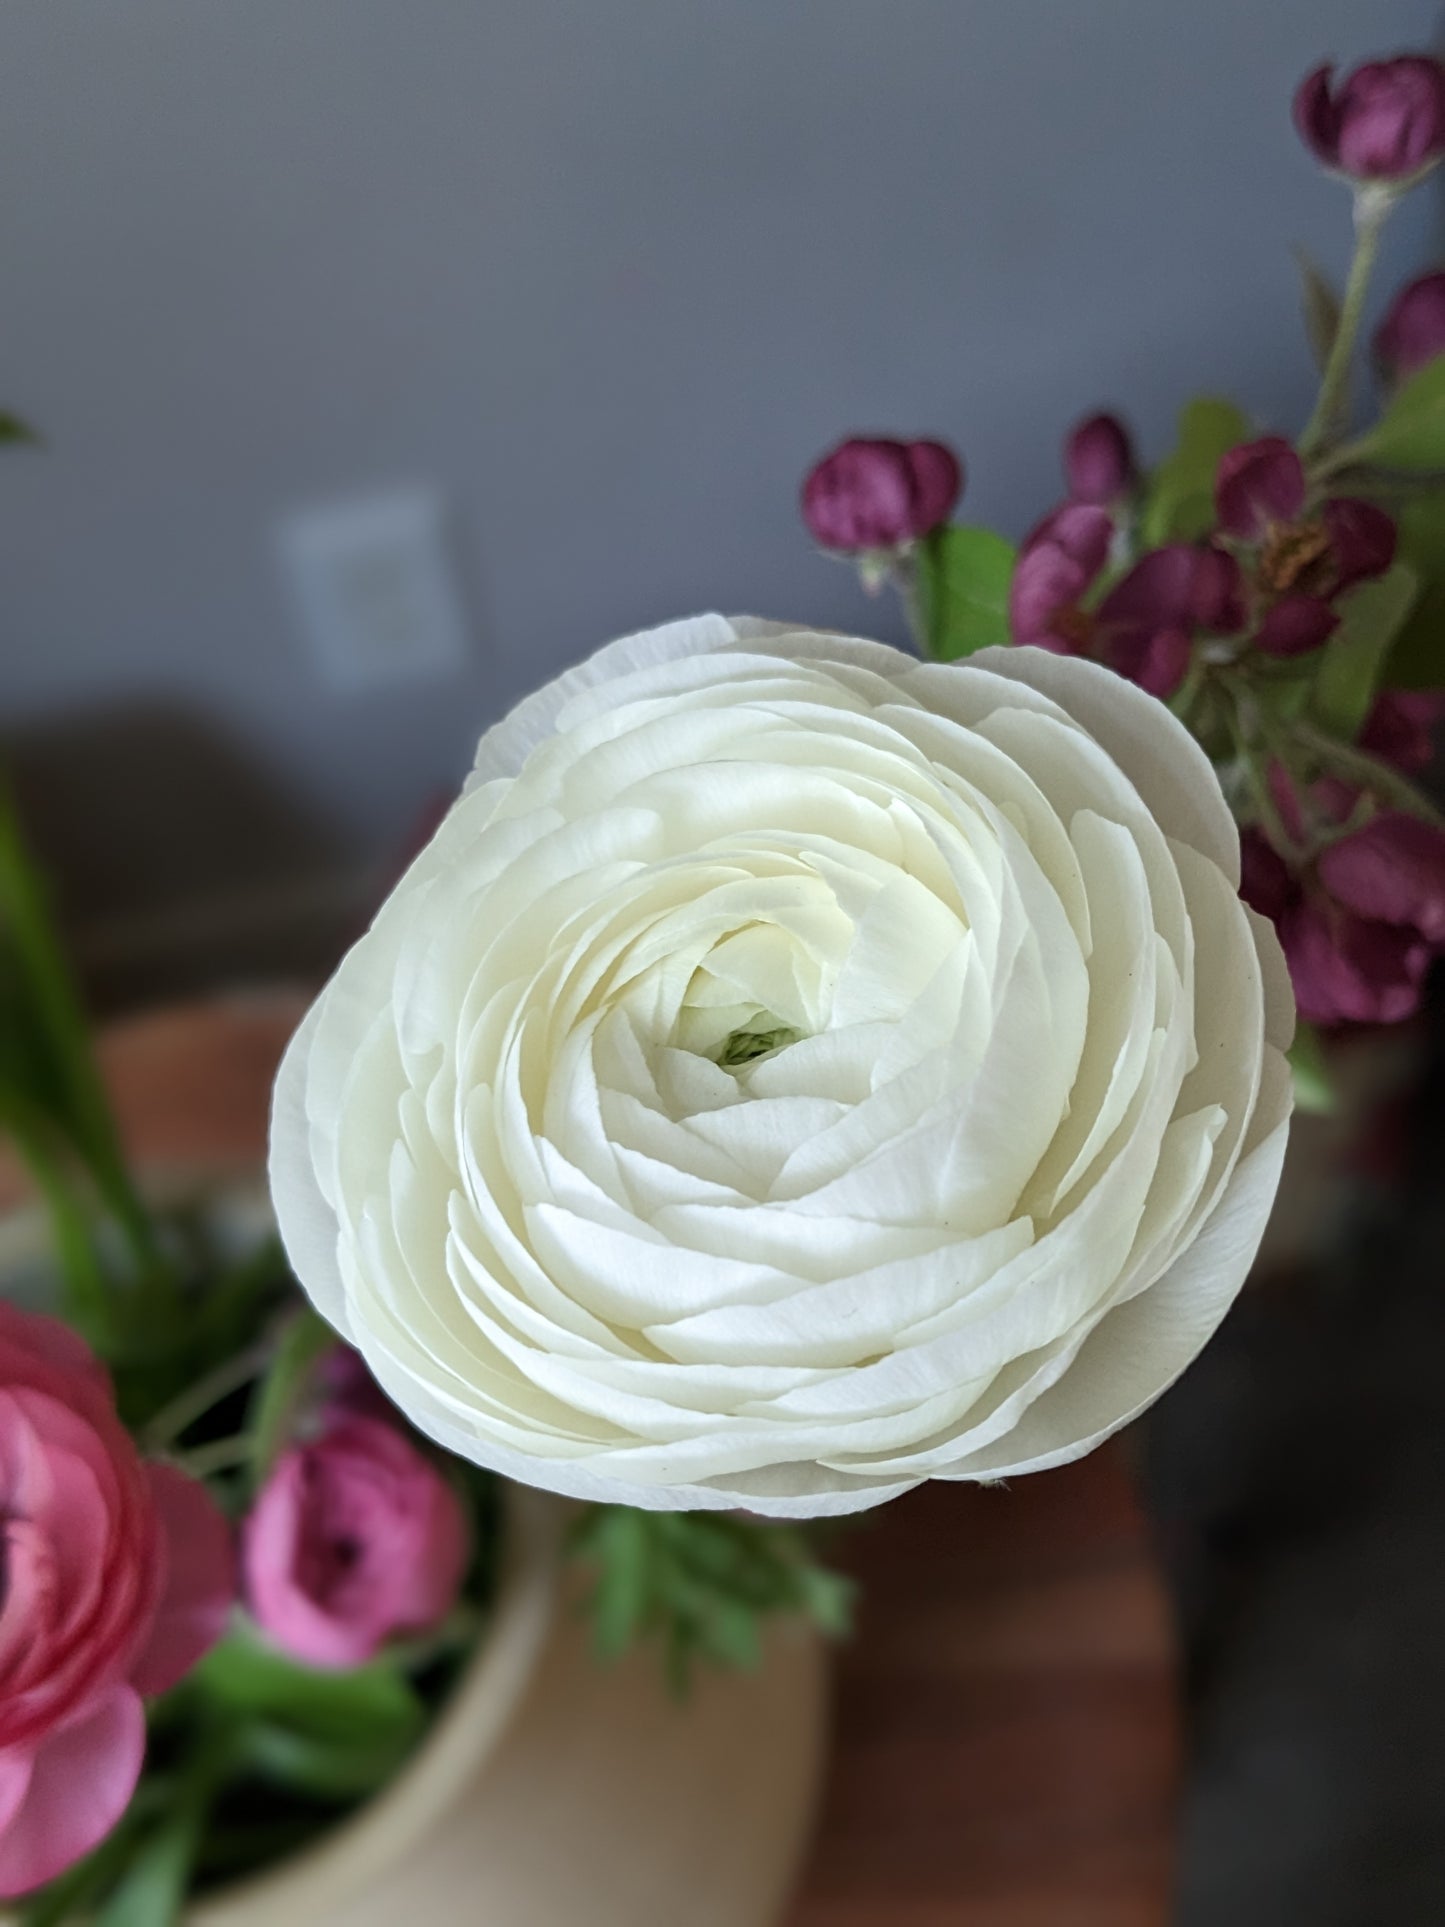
13 430
247 1678
1314 1084
1353 660
1179 499
1417 659
1410 434
701 1582
53 1105
304 1340
157 1873
963 584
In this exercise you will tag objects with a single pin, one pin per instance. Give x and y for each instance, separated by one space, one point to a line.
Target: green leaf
616 1540
152 1890
57 1063
963 584
1320 303
1314 1085
328 1769
1353 659
305 1339
369 1706
701 1583
1417 660
1411 432
12 429
1179 499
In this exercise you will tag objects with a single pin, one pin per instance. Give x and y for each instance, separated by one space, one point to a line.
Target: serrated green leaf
732 1635
828 1600
625 1567
1314 1085
1352 661
1411 432
963 584
1179 497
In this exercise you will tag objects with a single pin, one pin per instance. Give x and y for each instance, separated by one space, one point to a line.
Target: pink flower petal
1363 538
1347 969
1258 484
1316 117
79 1782
1393 870
200 1581
1295 625
1400 728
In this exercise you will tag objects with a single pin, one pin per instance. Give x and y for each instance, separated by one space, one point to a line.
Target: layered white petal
793 1071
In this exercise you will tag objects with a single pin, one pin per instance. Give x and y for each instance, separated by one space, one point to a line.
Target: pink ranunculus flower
115 1577
355 1538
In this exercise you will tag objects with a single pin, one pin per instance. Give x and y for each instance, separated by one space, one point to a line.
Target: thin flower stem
904 576
1371 212
196 1400
1367 773
220 1455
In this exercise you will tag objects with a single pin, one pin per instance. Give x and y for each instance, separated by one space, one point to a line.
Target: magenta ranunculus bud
1257 485
355 1538
1413 330
1385 122
1099 460
879 494
116 1576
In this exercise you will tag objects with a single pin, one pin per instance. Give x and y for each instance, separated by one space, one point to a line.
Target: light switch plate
373 588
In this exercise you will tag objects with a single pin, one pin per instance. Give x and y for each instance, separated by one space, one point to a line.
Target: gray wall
610 274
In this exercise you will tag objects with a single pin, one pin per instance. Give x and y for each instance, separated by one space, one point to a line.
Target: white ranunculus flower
794 1071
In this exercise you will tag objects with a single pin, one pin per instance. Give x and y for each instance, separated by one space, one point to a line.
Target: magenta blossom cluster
1360 910
1267 579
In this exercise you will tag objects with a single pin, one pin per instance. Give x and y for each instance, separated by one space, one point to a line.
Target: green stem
192 1404
1362 769
220 1455
1372 209
904 575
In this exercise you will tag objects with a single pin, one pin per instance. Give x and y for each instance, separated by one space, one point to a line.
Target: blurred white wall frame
373 588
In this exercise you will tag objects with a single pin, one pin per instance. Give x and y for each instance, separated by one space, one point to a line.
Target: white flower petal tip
792 1072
